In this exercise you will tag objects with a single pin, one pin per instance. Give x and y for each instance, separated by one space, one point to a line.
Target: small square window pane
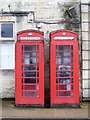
29 74
63 47
29 80
63 61
29 47
7 30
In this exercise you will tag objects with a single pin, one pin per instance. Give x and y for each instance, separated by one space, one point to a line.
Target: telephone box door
64 80
30 70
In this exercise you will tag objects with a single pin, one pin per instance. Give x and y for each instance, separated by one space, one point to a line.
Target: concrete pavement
10 111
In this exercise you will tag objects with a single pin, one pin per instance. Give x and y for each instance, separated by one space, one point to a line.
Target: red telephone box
29 68
64 68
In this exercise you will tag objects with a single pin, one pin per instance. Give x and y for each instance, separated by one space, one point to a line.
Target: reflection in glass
62 74
64 70
29 67
63 61
29 80
63 47
27 93
29 54
29 74
66 61
63 80
29 87
64 54
26 61
64 93
29 47
7 30
63 87
64 67
29 60
33 61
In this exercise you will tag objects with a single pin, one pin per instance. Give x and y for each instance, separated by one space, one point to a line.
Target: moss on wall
74 22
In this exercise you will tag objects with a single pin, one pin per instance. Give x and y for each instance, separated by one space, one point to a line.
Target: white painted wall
85 1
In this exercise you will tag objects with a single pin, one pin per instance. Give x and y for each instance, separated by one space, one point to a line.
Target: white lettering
63 38
30 38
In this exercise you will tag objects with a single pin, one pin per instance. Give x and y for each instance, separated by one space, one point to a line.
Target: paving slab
9 110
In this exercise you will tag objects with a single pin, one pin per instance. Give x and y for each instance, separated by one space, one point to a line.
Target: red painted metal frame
54 100
19 99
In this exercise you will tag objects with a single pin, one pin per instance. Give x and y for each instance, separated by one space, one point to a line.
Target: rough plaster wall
8 84
0 84
47 10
